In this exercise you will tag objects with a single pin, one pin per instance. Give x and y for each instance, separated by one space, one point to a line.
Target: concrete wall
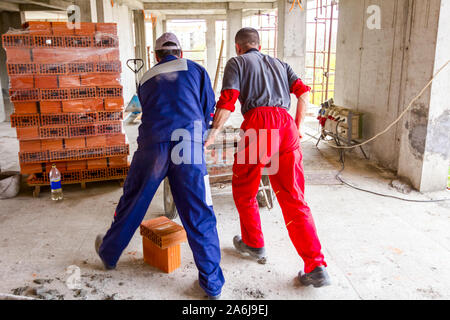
379 71
7 20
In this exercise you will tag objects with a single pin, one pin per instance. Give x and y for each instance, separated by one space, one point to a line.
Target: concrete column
157 32
211 64
425 135
85 10
380 70
7 20
291 38
164 26
100 11
234 23
139 33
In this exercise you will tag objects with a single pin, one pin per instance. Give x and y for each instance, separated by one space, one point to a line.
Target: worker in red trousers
270 140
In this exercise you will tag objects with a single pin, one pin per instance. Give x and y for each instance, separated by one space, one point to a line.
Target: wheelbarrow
219 168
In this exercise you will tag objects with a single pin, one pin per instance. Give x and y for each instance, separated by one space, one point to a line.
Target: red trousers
271 142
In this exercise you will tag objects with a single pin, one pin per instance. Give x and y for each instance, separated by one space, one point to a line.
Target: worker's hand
300 133
211 138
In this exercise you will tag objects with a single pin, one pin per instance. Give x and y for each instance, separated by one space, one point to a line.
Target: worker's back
174 94
263 80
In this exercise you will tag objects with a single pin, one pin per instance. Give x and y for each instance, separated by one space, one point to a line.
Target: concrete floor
376 247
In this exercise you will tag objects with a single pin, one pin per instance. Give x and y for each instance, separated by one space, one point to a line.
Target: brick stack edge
68 103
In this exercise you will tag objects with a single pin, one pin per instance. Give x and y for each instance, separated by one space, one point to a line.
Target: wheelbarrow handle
135 67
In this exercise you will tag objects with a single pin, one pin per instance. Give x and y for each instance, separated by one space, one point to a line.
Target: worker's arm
302 104
228 97
225 106
301 91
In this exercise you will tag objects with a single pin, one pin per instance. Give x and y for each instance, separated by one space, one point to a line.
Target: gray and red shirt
258 80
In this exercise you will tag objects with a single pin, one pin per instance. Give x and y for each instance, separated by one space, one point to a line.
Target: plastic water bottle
55 183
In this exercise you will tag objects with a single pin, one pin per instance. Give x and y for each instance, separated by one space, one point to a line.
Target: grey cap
167 37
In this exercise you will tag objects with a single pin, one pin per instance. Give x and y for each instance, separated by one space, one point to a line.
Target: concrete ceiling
32 5
205 7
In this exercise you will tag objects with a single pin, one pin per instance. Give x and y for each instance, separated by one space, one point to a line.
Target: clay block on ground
166 260
163 232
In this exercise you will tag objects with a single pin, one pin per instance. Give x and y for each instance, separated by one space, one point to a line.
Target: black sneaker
318 277
258 253
98 243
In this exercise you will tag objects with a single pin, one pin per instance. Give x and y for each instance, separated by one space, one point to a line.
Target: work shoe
98 243
318 277
258 253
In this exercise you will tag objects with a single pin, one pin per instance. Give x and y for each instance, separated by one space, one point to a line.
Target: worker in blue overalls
177 101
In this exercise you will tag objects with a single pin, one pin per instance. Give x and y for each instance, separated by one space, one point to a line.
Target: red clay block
83 105
18 55
38 27
29 133
25 107
75 143
115 139
61 28
96 79
69 81
61 166
96 141
97 164
46 82
113 104
167 260
86 28
163 232
110 28
76 165
116 162
21 82
30 146
52 144
50 106
30 168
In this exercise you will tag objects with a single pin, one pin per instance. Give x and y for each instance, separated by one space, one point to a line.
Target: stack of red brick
68 104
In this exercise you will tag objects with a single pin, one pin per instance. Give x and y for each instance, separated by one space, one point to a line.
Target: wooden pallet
37 187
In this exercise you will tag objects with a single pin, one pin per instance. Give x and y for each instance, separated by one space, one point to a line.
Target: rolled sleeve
227 100
298 88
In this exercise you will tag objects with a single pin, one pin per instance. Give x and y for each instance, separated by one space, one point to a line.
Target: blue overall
174 94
